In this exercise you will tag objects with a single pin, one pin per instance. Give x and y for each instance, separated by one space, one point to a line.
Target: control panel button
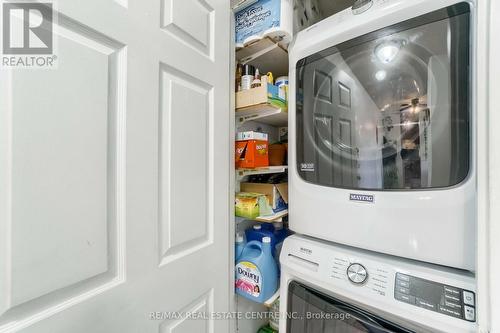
425 304
402 277
470 313
455 292
403 290
453 306
403 284
357 273
450 312
450 298
452 301
404 298
469 298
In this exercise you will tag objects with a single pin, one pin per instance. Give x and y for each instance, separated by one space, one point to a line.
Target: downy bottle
256 271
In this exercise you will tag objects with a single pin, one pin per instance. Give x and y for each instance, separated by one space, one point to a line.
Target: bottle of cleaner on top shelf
256 271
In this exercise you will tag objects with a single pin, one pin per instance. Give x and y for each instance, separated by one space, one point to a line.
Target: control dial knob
361 6
357 273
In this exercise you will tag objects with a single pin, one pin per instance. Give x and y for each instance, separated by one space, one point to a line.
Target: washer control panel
383 284
362 275
357 273
437 297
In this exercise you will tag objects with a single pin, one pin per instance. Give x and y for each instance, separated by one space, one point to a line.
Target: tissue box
275 194
251 205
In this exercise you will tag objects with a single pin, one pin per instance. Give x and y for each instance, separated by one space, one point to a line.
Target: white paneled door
114 170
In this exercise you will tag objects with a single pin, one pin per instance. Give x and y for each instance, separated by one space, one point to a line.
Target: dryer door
389 110
313 312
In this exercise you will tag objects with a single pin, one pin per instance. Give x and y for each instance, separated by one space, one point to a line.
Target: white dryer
338 289
382 129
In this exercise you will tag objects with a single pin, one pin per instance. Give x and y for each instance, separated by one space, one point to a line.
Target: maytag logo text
361 197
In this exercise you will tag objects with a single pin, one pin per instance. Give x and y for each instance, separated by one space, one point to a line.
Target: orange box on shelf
252 154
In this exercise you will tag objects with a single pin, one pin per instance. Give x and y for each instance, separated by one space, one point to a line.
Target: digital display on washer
430 295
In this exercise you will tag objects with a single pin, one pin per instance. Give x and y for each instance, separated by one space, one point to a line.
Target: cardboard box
266 93
251 154
251 205
276 194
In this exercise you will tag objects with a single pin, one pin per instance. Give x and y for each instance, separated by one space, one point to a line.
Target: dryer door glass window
312 312
389 110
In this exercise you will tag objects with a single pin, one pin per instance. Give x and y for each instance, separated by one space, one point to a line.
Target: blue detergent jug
256 271
280 233
259 231
239 246
277 235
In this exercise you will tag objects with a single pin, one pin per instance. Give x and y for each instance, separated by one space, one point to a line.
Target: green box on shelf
251 205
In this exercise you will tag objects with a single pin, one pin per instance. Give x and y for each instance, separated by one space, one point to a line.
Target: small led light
386 52
380 75
407 124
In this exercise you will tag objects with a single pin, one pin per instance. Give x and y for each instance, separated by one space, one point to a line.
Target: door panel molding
186 111
178 17
29 293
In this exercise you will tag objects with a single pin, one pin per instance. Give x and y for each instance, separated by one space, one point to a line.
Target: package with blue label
276 194
251 135
266 93
251 205
264 18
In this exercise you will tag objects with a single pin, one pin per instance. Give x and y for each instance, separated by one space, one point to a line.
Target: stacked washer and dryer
382 171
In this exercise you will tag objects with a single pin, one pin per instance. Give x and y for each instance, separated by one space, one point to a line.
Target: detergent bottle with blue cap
277 235
256 271
258 231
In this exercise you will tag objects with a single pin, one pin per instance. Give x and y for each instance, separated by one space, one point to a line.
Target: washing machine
334 288
382 128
